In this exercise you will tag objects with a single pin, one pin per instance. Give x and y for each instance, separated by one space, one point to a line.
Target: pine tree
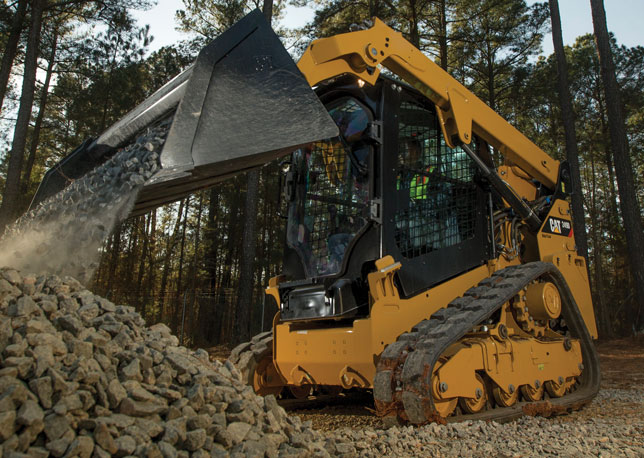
629 204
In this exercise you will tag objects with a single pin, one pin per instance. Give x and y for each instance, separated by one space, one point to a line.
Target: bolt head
567 344
511 388
561 380
478 393
442 387
374 51
537 383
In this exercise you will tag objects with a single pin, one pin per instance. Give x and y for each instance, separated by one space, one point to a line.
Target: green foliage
495 39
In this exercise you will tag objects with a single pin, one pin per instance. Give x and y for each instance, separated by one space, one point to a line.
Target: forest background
71 68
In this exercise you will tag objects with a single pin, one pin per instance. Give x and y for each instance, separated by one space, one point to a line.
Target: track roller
531 393
445 407
504 399
475 405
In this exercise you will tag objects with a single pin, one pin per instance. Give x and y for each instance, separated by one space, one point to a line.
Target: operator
417 232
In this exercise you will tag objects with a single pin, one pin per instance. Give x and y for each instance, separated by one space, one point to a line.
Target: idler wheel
475 405
504 399
444 407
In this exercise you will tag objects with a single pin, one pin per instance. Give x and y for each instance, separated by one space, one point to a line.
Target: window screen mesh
435 182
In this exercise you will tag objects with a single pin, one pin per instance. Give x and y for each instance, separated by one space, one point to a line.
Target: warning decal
557 226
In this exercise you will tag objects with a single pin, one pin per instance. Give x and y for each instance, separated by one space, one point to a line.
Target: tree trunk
208 310
172 239
249 245
132 255
142 259
178 310
249 241
42 105
12 46
568 118
152 268
442 34
623 166
414 34
603 316
195 272
221 304
11 195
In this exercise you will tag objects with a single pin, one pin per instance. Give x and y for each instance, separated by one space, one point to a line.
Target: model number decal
557 226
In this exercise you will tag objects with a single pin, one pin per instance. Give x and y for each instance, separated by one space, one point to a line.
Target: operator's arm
363 52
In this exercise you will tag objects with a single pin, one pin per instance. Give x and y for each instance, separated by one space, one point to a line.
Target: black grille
435 186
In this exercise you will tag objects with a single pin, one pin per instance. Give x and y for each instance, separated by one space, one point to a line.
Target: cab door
435 218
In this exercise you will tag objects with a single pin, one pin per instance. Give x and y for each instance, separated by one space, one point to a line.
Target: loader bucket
241 104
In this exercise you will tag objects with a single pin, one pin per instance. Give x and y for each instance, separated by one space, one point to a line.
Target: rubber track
402 382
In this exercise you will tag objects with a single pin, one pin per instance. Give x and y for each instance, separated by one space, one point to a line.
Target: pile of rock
80 376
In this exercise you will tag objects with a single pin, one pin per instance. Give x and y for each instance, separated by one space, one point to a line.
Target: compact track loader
414 266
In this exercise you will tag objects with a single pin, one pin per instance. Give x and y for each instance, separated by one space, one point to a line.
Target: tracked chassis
402 387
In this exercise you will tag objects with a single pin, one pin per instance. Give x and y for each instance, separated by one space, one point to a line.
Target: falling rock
167 450
12 276
179 363
58 446
70 323
57 346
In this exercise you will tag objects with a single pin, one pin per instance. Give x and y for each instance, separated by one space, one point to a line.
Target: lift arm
364 52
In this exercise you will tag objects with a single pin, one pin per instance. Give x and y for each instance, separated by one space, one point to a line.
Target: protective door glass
332 192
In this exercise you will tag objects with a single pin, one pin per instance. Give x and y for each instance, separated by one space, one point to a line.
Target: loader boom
363 52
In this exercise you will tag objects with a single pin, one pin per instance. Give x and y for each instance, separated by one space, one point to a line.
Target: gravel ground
612 425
